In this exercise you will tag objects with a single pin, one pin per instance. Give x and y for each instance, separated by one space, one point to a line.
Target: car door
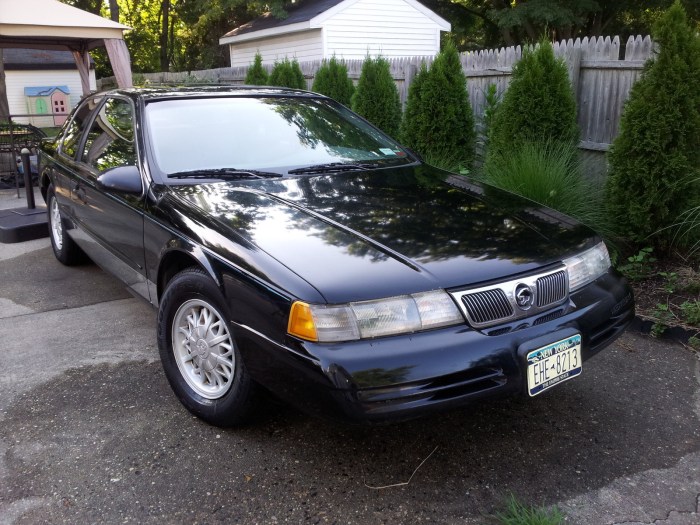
111 221
64 173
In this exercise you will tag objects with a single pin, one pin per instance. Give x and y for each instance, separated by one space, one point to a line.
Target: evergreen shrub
332 80
376 97
256 75
655 160
287 74
439 123
538 105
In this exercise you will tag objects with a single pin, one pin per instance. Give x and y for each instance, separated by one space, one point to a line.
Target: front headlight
395 315
588 266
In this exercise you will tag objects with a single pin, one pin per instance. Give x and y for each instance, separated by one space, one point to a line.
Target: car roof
209 90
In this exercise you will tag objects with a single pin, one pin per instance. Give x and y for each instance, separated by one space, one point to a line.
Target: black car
289 244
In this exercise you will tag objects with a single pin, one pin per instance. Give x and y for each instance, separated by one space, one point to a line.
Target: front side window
266 133
110 141
70 140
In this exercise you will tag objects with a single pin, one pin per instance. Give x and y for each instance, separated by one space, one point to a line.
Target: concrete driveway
91 433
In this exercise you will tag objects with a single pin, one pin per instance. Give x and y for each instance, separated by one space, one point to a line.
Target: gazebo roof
49 24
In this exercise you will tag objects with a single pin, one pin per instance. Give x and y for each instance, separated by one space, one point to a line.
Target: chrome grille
551 289
487 306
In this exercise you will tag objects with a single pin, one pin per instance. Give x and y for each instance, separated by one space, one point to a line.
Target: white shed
28 69
348 29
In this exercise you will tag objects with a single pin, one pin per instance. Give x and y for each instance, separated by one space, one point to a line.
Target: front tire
64 248
199 353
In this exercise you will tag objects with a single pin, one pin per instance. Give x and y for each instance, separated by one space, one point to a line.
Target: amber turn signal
301 322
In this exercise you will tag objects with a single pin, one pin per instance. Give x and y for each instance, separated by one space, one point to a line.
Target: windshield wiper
223 173
331 167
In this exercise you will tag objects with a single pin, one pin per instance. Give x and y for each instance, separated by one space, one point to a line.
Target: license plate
550 365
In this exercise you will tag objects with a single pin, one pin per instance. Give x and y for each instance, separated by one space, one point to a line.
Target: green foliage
690 310
686 230
376 97
492 100
670 281
639 266
694 342
287 74
256 74
663 317
539 104
479 24
332 80
438 121
655 160
518 514
548 173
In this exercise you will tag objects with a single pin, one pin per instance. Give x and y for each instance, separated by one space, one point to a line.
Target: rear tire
64 248
199 353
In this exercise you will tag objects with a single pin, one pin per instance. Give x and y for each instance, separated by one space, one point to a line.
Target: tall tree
376 97
256 74
439 122
332 80
655 160
165 40
114 10
539 104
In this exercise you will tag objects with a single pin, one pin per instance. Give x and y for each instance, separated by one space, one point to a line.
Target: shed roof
307 15
44 91
300 12
39 59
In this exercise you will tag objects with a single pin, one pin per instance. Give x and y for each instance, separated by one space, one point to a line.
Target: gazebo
49 24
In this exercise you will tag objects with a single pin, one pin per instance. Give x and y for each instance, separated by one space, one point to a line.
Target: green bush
538 105
413 114
439 122
655 160
376 97
549 173
287 74
332 80
256 75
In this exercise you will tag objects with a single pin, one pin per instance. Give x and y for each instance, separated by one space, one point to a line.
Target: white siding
16 81
392 28
303 46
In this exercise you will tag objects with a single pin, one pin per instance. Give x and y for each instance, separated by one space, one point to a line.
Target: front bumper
405 376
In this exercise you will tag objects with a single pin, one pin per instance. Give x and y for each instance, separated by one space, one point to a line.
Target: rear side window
110 141
70 141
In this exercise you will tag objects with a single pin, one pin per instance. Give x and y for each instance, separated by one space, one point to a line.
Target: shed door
59 105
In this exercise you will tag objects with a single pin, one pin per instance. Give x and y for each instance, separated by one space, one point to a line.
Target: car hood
370 234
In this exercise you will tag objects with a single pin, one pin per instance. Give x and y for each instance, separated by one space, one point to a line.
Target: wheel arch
178 259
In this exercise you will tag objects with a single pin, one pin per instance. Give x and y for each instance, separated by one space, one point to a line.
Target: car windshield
278 134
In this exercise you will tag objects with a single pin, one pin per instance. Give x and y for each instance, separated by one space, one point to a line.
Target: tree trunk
114 10
4 104
505 31
164 30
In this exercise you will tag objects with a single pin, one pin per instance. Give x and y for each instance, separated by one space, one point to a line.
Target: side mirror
124 179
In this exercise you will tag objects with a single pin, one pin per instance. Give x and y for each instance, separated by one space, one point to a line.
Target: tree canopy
490 23
183 35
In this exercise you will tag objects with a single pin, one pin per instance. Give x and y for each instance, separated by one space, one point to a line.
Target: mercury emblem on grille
524 296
